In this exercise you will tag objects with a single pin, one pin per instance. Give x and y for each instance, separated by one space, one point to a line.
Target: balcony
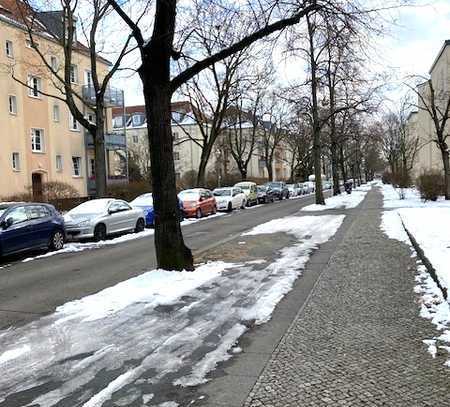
113 96
113 141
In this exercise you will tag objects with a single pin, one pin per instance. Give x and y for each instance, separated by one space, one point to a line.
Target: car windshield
222 192
189 195
244 186
146 199
95 206
261 189
274 184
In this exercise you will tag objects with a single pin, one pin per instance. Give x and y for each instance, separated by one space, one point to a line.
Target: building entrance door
36 180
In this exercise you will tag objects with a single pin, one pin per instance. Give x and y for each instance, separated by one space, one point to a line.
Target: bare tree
97 96
159 84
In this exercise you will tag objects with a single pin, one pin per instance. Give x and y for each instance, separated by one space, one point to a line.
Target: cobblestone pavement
358 340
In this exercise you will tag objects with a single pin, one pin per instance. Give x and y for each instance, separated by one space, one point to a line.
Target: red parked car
198 202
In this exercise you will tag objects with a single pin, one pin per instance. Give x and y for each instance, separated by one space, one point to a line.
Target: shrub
431 185
58 190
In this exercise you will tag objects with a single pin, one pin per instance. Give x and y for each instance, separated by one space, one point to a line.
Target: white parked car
100 218
294 190
309 187
229 198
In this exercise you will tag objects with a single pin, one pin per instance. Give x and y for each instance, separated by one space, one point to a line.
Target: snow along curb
421 254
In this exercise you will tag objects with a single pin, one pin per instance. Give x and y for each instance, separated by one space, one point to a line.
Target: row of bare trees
216 54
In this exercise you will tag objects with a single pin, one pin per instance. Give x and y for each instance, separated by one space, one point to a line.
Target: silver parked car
99 218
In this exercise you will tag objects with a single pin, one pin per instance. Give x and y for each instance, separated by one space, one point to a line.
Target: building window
73 124
176 155
34 86
16 161
54 63
73 74
91 117
92 168
59 163
177 176
56 113
137 120
9 49
88 78
135 139
76 162
37 140
12 104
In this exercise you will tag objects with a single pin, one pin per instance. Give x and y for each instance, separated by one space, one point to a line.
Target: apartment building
420 122
187 139
41 141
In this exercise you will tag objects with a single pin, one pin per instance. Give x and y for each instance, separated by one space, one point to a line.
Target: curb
431 270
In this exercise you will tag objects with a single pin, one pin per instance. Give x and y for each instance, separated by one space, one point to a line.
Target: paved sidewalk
358 339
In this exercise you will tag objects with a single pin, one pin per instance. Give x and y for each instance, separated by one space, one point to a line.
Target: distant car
279 189
198 202
229 198
250 192
327 185
264 194
145 203
30 226
100 218
309 187
294 190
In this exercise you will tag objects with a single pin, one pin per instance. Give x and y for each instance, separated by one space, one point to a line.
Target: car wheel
230 207
100 232
214 210
198 213
57 240
140 226
243 204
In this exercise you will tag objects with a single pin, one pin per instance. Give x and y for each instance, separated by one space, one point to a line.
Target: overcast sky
409 49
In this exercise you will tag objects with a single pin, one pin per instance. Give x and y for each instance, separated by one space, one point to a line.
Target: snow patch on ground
160 324
429 223
343 201
391 199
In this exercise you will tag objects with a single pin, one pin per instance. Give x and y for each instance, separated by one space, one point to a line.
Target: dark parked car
280 190
30 226
265 194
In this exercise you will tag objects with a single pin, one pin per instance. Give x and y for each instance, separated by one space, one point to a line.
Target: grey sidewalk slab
358 339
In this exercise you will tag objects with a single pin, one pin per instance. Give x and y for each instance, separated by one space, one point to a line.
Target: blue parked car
30 226
145 202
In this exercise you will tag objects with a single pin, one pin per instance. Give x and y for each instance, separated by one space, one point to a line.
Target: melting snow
134 336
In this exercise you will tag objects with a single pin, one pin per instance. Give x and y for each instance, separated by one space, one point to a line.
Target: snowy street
159 329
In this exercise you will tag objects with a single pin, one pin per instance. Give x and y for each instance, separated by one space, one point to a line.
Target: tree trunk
335 168
269 170
342 164
445 162
171 252
201 174
100 159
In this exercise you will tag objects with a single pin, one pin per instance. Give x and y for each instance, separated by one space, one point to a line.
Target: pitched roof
48 23
446 43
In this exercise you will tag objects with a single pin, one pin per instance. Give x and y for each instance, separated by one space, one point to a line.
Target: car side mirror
7 223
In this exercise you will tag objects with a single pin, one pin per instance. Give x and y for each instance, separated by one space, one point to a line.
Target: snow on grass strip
343 201
433 304
391 199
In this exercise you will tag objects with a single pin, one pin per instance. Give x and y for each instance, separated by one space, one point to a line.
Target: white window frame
15 161
9 49
73 124
54 63
41 140
12 104
56 112
88 78
34 92
59 163
76 172
135 139
73 73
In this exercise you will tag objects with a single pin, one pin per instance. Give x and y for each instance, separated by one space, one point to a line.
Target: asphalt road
32 289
